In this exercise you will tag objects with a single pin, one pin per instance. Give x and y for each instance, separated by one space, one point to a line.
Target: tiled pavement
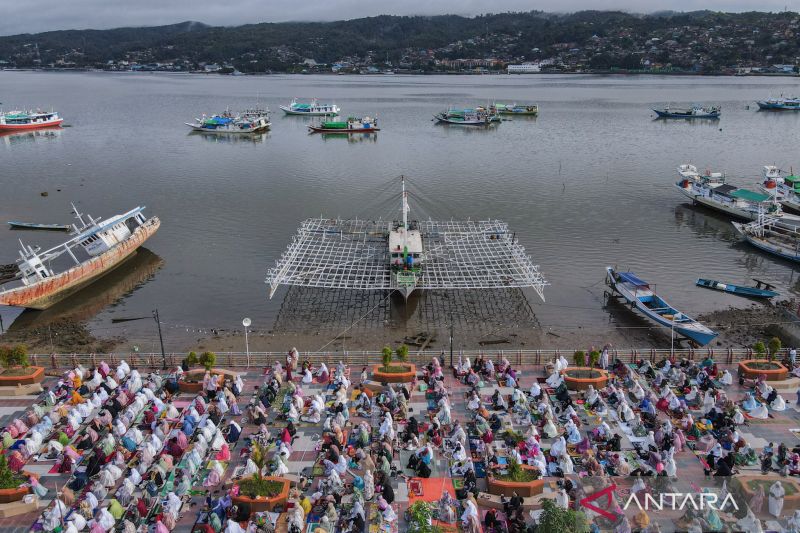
690 471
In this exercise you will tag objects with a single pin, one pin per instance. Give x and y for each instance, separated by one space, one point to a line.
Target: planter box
36 375
582 383
262 503
776 372
395 377
15 495
507 488
198 373
791 502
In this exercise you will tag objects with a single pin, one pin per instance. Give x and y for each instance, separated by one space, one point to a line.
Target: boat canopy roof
725 189
751 196
791 178
630 277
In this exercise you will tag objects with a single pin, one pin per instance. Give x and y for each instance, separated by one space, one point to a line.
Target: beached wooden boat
768 235
43 227
641 296
753 292
95 248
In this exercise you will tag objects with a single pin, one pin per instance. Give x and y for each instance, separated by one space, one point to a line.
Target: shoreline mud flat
738 327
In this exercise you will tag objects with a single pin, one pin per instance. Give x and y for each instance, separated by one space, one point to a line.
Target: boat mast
405 212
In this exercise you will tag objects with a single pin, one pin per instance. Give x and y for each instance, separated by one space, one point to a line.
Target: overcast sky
31 16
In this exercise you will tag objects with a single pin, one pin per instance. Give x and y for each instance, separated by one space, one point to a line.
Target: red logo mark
608 492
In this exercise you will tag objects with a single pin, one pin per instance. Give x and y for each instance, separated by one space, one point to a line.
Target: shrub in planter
402 353
579 358
554 518
8 478
594 358
774 347
420 518
386 356
517 474
208 360
759 349
192 359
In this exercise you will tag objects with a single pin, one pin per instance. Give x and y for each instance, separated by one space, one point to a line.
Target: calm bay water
585 185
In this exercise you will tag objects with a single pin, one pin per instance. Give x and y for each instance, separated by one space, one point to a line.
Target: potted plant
17 370
523 479
208 360
554 518
579 358
402 353
192 359
11 483
774 347
420 518
594 358
401 372
261 493
759 349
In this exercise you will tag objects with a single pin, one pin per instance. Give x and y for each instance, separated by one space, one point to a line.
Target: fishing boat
785 189
769 236
43 227
351 125
464 117
696 111
29 120
710 190
779 104
227 123
739 290
641 296
517 109
311 109
96 247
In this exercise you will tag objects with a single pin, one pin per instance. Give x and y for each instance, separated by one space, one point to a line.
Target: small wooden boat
768 235
753 292
695 111
465 117
351 125
641 296
516 109
43 227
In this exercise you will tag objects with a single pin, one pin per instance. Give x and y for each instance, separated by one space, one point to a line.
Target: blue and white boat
696 111
639 294
779 104
739 290
34 226
312 109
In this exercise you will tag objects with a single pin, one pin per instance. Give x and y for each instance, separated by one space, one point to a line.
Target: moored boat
769 236
711 190
739 290
34 226
29 120
639 294
779 104
252 121
785 189
351 125
95 248
465 117
311 109
517 109
696 111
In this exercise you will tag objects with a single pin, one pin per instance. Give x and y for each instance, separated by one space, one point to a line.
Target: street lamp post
451 341
246 323
160 338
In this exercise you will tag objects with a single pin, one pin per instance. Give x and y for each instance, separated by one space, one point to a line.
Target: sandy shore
738 327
